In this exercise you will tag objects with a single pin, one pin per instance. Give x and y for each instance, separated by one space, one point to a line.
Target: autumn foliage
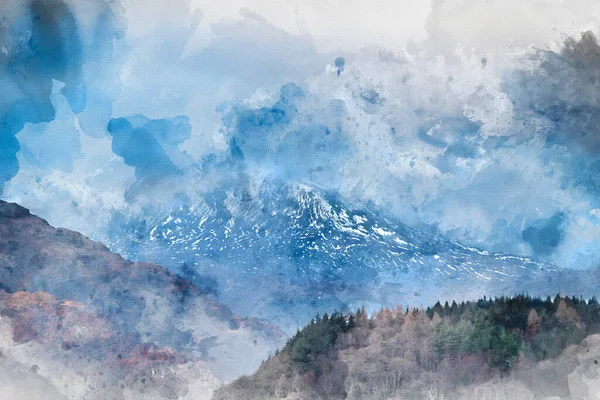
418 353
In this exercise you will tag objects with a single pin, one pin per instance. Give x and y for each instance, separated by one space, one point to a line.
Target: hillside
116 327
506 348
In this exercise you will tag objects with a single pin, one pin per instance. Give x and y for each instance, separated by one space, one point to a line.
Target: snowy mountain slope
294 250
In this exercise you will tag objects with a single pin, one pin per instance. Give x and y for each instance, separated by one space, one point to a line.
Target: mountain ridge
333 255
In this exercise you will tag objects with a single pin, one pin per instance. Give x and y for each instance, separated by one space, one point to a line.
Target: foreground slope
54 349
507 348
72 305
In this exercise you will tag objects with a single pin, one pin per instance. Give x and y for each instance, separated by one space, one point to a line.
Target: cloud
425 130
296 138
144 144
241 59
561 92
41 43
545 234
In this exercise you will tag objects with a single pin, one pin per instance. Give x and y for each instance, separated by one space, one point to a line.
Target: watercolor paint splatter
252 199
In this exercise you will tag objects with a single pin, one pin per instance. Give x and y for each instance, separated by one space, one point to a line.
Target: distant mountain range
82 322
294 251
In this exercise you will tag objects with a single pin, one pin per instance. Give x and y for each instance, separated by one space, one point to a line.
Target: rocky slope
91 324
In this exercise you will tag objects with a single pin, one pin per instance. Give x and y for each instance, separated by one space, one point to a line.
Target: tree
505 348
567 315
534 322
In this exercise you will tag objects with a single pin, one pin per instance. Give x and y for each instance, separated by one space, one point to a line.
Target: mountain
79 321
296 250
519 348
83 322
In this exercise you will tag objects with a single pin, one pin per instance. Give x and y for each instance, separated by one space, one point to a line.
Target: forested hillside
440 352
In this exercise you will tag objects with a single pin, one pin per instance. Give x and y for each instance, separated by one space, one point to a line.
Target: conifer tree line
419 353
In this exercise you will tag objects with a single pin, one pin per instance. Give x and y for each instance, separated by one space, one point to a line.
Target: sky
474 120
